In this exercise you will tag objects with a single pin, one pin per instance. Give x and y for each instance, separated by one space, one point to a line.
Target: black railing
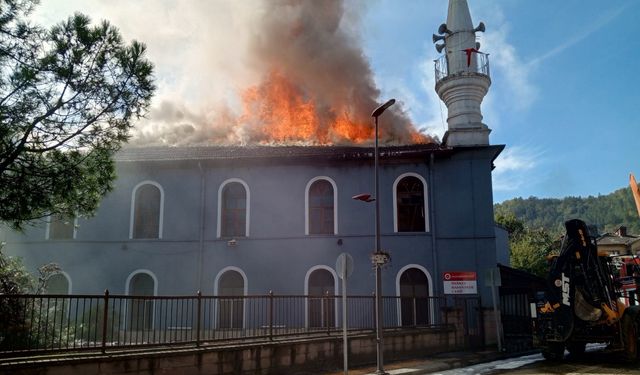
47 323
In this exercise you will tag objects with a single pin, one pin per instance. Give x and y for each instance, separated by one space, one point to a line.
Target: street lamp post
378 258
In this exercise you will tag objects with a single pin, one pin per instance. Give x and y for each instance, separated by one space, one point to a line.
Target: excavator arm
582 281
635 191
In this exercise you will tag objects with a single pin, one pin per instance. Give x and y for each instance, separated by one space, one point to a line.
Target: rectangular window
61 227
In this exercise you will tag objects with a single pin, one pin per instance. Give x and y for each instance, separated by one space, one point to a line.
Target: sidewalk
435 363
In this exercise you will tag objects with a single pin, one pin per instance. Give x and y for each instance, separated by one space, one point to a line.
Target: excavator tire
576 349
554 352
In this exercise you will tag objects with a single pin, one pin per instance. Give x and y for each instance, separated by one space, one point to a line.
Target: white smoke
207 52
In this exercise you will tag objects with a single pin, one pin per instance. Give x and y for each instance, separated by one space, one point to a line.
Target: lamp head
378 111
363 197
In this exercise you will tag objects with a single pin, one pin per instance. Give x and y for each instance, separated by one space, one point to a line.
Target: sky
565 88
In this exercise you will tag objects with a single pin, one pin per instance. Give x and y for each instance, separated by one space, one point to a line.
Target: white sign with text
460 282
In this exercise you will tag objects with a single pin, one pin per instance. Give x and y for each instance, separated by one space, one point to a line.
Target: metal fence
479 64
47 323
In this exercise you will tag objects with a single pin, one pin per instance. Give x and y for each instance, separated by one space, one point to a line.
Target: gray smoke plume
308 49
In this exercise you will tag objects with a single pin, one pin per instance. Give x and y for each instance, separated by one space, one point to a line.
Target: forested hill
608 212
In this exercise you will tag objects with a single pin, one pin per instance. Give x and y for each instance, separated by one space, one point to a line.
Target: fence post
446 310
105 317
271 315
198 317
326 314
373 311
481 324
462 320
415 312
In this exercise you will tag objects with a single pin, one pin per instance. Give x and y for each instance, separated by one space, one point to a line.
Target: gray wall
503 251
277 254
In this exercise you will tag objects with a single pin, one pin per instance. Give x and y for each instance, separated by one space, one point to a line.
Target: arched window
231 300
321 207
233 218
58 283
147 211
410 204
141 309
320 293
414 297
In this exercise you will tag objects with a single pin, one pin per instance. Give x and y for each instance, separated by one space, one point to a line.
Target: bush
18 317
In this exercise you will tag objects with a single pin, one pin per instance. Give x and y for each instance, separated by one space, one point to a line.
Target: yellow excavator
583 301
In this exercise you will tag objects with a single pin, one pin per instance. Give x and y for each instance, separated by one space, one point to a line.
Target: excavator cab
582 301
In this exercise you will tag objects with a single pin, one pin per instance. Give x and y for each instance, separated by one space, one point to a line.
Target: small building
619 243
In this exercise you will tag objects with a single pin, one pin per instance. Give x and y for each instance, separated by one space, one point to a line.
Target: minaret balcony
478 64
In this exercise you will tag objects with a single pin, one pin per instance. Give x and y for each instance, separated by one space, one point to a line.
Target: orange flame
420 138
355 132
279 111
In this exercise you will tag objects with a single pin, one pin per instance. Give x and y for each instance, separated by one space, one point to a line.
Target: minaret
462 77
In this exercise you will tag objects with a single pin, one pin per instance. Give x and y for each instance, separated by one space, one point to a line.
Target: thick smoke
308 53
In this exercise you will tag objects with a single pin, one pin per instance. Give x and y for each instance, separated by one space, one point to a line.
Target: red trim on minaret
469 51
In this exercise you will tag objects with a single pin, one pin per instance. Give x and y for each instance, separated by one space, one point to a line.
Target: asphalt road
595 361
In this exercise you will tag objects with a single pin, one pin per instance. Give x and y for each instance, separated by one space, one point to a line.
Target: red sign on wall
460 282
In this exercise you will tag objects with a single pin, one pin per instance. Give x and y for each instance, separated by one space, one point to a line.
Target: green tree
529 248
510 222
68 98
606 212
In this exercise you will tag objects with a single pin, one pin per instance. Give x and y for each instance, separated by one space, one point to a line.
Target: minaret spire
458 16
462 77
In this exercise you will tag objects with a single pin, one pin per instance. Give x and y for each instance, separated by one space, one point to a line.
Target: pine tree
68 98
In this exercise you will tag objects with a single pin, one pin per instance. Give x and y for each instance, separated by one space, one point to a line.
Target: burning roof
139 154
312 85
